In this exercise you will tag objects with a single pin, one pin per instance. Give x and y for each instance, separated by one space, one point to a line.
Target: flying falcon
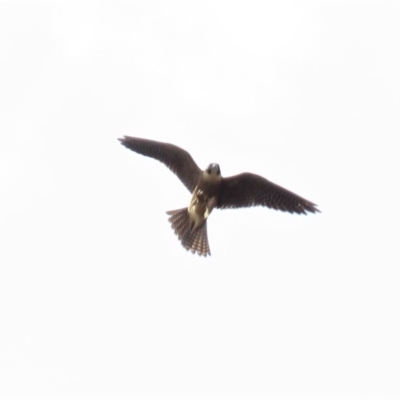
209 190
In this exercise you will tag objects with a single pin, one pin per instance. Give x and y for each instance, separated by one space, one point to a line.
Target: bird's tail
193 238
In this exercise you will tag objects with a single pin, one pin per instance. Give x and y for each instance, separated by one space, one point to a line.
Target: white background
98 297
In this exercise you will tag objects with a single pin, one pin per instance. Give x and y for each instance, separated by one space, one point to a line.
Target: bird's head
213 169
212 172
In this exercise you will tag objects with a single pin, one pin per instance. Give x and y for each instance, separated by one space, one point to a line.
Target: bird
210 190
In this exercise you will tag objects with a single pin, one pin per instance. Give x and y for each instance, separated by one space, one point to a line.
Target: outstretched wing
179 161
247 190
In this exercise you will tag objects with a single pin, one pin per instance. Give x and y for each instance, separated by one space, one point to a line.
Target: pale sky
97 295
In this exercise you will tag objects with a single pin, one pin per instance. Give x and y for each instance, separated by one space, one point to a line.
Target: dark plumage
210 190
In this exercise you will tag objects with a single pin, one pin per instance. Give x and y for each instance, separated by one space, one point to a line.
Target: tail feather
198 240
192 238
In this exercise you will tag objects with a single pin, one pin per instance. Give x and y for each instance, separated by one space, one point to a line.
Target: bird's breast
200 206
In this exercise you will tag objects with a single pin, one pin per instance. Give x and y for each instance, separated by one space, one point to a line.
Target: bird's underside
209 190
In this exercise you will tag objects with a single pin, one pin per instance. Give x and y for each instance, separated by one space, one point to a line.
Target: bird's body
190 224
209 190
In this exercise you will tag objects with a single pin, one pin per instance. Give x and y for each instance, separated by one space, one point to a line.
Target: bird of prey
210 190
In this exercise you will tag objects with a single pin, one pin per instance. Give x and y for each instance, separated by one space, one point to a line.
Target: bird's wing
179 161
247 190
